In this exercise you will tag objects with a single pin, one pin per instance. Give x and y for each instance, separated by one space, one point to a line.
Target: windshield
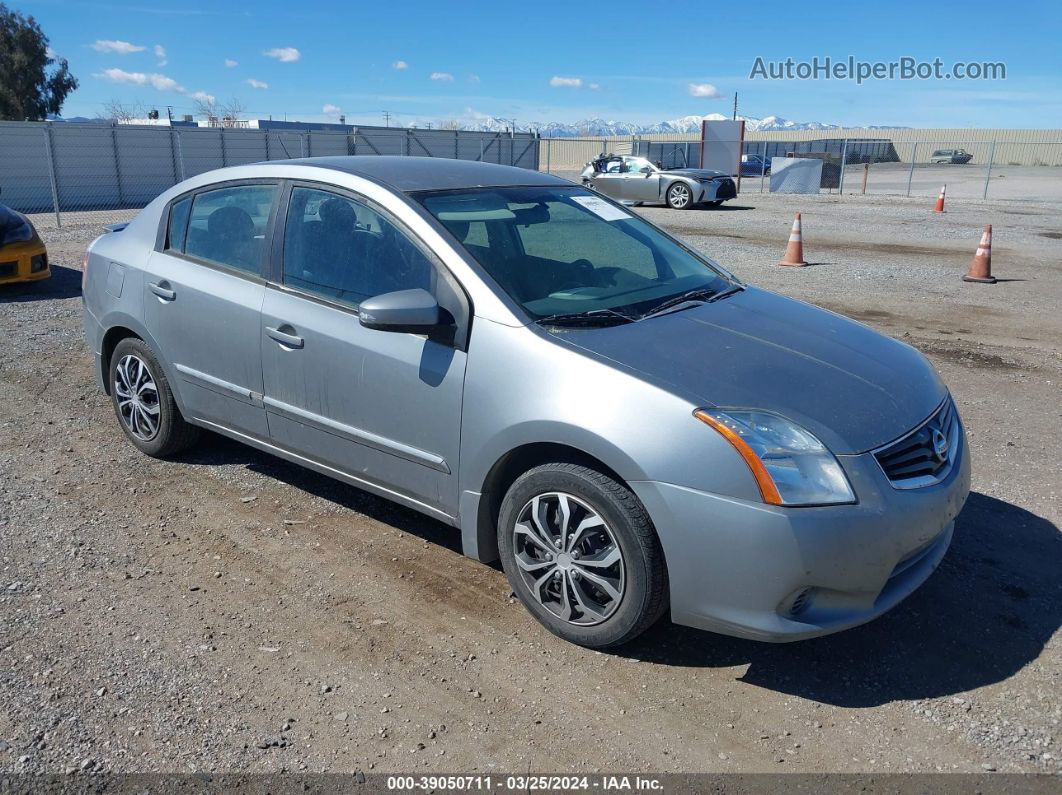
558 250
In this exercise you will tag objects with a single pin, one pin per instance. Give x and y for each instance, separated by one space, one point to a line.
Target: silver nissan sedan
631 429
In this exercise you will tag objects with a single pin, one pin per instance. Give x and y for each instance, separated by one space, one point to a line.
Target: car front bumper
737 567
718 189
17 261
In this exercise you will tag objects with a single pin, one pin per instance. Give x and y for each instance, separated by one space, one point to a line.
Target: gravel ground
231 612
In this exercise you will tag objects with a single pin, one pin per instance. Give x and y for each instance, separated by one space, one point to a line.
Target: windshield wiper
702 294
592 317
734 288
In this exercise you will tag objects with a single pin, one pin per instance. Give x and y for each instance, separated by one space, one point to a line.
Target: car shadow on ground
986 612
63 283
216 450
724 207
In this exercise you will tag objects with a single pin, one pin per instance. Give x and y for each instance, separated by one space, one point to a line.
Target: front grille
8 269
726 190
924 456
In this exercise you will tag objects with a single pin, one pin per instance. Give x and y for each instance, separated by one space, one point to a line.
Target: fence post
302 144
117 165
763 166
988 171
844 158
457 144
221 134
50 152
549 154
910 171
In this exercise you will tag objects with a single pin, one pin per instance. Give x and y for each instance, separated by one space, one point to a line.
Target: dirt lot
231 612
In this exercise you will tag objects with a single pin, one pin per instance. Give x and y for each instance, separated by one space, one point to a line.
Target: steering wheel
583 275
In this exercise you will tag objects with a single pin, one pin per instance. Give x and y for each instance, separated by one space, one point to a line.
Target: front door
382 407
203 296
641 180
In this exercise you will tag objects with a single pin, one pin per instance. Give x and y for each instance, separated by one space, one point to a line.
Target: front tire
582 555
679 196
143 402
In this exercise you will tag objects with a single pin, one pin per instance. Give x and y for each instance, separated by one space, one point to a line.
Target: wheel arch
479 533
121 326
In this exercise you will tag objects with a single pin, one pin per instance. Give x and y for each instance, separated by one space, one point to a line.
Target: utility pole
735 106
429 125
387 118
169 113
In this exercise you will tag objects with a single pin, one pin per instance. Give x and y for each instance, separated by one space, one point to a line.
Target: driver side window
344 250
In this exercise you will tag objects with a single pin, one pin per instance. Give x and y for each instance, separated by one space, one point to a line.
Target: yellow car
23 257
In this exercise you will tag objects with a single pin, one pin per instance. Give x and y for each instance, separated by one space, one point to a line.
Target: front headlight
790 465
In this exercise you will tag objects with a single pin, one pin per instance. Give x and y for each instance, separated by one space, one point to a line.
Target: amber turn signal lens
768 491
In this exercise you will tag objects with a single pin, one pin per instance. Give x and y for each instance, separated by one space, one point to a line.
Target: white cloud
400 65
157 81
50 53
331 110
283 54
256 83
706 90
566 82
446 77
115 46
473 78
594 86
229 63
160 53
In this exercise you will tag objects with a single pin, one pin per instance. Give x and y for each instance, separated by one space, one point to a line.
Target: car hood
852 387
695 173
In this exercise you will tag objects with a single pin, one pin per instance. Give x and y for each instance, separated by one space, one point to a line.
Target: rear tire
592 556
143 402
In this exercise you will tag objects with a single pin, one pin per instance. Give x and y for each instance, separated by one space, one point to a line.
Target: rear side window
227 226
177 230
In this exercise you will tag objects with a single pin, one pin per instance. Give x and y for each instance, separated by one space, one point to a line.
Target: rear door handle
291 340
162 291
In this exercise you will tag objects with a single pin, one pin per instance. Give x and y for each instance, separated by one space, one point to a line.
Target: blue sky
555 61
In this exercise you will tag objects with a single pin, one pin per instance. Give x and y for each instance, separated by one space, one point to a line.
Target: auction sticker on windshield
601 208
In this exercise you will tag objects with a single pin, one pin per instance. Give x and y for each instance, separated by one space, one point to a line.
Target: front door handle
290 340
162 290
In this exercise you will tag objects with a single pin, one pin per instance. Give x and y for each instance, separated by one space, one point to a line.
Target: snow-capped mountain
686 124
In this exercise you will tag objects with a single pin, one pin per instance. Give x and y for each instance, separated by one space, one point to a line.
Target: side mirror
411 311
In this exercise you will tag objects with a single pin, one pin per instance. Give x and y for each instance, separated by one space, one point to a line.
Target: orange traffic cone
940 200
981 266
794 251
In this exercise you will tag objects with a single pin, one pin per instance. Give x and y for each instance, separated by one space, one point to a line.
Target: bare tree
116 110
221 114
449 124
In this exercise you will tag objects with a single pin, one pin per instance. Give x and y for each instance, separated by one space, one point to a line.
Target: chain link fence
106 172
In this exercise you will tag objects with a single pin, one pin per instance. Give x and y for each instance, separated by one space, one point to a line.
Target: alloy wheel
569 559
679 196
137 397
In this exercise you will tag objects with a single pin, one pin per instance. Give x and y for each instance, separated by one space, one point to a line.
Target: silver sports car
637 180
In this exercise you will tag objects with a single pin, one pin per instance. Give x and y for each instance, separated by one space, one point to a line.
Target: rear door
203 300
382 407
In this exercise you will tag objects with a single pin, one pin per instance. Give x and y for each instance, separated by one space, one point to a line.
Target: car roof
409 174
